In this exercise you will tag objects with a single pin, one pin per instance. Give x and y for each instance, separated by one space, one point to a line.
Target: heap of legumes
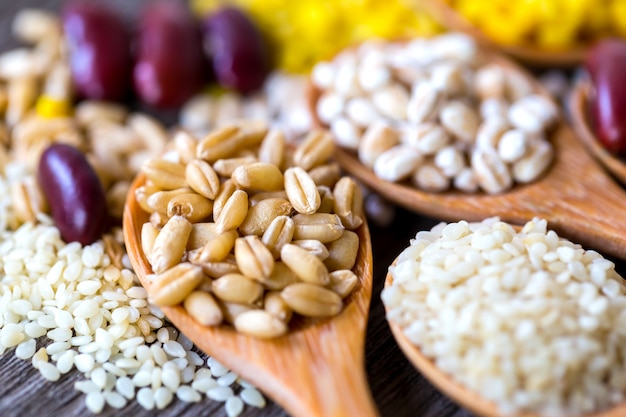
437 114
528 320
247 230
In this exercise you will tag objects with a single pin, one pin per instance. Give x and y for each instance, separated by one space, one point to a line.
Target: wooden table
398 389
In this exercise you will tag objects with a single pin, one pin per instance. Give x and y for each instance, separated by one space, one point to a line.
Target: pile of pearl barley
94 317
528 320
436 114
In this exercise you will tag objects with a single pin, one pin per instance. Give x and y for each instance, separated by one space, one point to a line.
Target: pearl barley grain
435 97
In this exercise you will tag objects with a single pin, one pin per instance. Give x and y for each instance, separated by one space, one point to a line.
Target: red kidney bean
99 45
237 50
74 193
170 66
605 64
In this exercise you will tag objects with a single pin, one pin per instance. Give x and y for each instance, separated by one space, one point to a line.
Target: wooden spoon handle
332 384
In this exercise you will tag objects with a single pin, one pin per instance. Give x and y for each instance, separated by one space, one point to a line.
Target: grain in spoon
316 369
576 196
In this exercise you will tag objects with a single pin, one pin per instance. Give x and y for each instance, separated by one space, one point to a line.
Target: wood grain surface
398 390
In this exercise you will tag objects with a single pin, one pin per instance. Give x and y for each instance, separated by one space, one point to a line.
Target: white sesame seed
217 369
114 399
227 379
142 378
95 402
66 361
187 394
252 397
171 378
233 406
86 386
145 398
26 349
173 348
49 371
163 397
220 393
99 377
204 384
125 387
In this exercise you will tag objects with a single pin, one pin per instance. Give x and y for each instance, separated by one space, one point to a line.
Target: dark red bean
605 64
99 45
74 193
170 66
237 50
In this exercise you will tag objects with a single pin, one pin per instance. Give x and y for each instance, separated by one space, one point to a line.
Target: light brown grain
203 308
260 323
202 178
253 258
190 205
307 267
342 252
278 233
301 191
169 245
324 227
349 203
172 286
259 176
314 150
233 213
311 300
261 215
237 288
165 174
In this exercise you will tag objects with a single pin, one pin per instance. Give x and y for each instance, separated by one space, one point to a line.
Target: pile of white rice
528 320
91 316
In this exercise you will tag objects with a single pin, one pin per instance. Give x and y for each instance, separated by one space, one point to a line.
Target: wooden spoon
454 389
576 196
534 56
582 127
316 369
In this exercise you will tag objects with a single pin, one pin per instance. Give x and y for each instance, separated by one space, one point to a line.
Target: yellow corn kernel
50 107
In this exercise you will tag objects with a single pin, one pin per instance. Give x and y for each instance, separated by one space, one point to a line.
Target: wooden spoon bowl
575 195
316 370
452 388
582 126
451 19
